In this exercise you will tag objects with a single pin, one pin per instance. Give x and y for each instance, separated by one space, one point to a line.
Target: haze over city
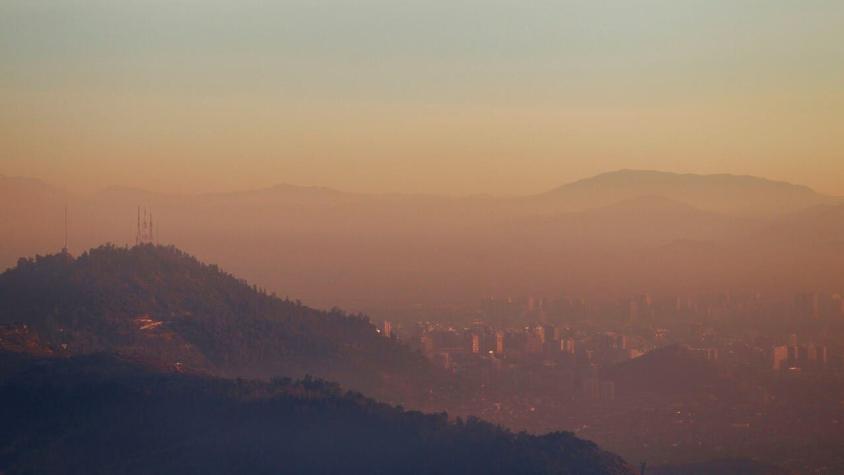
563 237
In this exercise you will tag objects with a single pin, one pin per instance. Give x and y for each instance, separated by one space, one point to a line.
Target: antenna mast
146 228
64 249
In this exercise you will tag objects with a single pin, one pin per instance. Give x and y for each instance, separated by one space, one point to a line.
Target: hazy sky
451 96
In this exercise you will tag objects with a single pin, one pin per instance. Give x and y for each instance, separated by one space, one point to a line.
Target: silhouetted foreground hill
101 414
160 302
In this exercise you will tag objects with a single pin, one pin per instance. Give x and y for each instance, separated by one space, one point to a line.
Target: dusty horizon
418 97
616 232
351 189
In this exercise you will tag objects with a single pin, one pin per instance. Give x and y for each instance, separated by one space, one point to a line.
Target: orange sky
452 97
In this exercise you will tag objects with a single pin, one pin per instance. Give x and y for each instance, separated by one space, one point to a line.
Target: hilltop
159 302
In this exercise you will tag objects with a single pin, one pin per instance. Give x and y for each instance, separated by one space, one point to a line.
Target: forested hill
160 302
99 414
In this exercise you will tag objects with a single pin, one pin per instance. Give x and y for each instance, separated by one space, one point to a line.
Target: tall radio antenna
146 232
138 232
64 249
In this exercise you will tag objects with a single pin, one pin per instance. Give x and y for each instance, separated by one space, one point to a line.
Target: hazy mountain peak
653 177
724 193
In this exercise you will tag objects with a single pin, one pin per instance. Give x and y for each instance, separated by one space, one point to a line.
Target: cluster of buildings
570 331
796 357
496 346
580 363
575 339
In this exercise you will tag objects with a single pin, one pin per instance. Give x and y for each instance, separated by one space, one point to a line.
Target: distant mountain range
727 194
100 414
624 231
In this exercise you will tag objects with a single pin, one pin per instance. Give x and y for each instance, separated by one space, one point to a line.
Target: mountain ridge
103 414
627 174
609 177
741 195
159 301
354 250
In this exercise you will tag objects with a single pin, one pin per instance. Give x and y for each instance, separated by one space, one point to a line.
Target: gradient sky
435 96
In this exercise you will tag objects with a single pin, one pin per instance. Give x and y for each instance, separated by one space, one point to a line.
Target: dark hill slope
668 371
98 414
159 302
